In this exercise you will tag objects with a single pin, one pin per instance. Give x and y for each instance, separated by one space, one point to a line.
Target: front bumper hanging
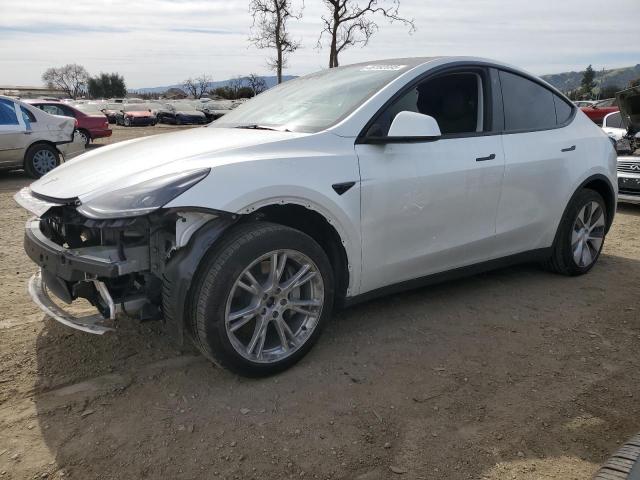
95 323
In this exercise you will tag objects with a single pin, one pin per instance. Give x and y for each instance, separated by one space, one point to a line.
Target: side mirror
410 127
412 124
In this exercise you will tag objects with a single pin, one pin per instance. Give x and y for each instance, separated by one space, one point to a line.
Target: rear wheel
261 299
127 122
581 235
41 159
84 135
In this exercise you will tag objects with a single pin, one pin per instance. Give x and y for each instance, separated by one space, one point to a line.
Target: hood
141 113
629 103
125 163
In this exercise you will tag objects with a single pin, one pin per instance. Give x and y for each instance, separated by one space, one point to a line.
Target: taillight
106 125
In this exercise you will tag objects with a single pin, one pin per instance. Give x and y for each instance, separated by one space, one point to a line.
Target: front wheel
261 299
127 122
580 235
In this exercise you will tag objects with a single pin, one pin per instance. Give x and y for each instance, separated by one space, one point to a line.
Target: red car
599 110
89 127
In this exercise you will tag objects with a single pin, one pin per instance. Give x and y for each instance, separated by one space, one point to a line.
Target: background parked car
111 110
34 140
135 114
181 113
215 109
599 110
90 126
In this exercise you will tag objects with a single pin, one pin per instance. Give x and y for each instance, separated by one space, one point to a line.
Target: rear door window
527 105
8 115
51 109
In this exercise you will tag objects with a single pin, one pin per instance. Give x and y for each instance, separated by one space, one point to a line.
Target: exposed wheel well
603 187
317 227
86 132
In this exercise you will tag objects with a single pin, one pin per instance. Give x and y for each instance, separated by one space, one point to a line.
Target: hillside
270 80
619 77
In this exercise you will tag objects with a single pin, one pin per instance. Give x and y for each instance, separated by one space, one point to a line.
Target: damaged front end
122 266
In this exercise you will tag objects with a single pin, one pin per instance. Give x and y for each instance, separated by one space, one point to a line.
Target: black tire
178 121
217 274
624 464
29 159
127 122
87 137
561 260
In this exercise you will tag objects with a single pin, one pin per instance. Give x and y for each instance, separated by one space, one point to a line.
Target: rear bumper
100 133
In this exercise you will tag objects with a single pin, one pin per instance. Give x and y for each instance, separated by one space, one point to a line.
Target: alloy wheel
588 234
274 306
44 161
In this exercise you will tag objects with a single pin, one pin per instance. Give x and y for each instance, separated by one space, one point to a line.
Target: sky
162 42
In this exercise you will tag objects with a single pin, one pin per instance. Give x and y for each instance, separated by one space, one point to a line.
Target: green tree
588 82
107 85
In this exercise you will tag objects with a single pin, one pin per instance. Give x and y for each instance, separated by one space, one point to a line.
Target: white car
628 144
325 191
34 140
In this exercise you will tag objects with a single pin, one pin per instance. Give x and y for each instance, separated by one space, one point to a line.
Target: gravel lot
515 374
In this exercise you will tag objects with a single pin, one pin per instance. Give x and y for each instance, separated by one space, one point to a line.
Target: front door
12 135
431 206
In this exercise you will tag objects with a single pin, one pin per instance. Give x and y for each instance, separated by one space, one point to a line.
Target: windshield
136 107
183 106
315 102
89 107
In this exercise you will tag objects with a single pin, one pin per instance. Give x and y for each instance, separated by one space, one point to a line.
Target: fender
180 269
611 201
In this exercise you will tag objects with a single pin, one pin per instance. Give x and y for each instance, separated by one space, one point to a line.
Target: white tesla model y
246 234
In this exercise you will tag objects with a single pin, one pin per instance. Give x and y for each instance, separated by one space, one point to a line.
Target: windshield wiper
262 127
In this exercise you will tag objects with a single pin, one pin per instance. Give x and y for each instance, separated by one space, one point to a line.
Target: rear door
12 134
428 207
539 149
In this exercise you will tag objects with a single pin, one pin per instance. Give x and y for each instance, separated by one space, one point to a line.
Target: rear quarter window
563 110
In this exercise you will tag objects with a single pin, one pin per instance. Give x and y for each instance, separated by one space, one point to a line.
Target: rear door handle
569 149
484 159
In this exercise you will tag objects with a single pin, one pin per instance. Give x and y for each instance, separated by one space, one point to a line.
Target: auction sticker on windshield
382 68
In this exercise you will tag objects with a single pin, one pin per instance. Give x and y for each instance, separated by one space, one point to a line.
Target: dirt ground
515 374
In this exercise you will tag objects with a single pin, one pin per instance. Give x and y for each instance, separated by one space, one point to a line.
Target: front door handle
484 159
28 132
569 149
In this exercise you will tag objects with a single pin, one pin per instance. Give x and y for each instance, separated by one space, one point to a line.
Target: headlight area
118 265
141 198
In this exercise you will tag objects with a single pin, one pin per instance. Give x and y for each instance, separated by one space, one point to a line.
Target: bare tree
235 85
349 23
197 87
71 79
269 30
256 83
